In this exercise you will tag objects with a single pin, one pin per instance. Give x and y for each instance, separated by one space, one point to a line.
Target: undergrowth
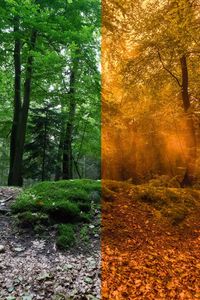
66 203
174 204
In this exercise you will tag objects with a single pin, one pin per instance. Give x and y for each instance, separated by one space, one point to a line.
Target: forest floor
144 256
150 249
31 266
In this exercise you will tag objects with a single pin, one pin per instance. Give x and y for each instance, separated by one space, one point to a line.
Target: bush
66 236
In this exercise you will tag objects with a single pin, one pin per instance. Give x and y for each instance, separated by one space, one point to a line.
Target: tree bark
44 145
67 147
17 166
58 170
17 96
190 135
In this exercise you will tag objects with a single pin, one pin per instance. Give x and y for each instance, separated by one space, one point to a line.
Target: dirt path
31 267
147 259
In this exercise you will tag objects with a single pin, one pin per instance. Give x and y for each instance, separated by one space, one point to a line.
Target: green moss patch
66 202
66 236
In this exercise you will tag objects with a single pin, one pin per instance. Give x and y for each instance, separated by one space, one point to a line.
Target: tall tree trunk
16 178
17 97
190 136
44 145
58 171
67 147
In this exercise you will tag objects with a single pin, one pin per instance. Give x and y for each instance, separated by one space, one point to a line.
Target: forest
50 152
150 232
99 149
50 91
151 53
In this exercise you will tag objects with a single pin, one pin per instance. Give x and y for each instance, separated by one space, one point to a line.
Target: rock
2 249
18 249
91 226
27 297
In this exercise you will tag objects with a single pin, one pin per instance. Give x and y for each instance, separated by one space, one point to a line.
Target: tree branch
166 69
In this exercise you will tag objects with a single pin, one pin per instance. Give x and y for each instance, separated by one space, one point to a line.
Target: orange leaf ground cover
147 258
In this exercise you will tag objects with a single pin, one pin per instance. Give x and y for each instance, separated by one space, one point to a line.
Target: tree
38 38
150 61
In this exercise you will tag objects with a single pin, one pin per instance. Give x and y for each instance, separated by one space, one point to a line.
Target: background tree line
50 90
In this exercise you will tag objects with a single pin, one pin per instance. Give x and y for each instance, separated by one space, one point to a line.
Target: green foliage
42 142
66 236
64 28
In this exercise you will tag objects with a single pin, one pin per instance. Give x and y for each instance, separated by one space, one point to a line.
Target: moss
66 202
85 207
175 204
151 196
66 236
62 211
65 198
30 220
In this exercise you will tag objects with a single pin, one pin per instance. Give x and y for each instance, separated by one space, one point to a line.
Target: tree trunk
58 170
44 145
190 135
67 147
17 97
16 178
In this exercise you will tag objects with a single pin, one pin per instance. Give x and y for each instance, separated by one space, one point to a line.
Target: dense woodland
50 90
131 231
151 90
